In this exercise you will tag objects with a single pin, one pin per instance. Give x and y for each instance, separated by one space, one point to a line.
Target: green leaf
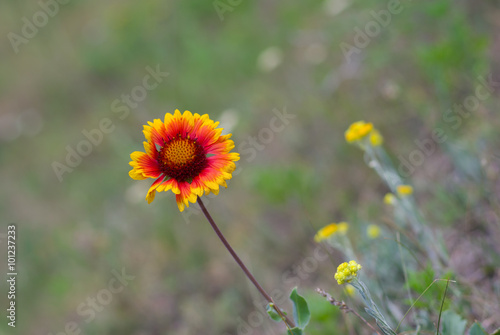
301 313
496 332
272 312
476 329
295 331
453 324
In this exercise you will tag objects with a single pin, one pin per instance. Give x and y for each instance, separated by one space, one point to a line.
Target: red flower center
182 159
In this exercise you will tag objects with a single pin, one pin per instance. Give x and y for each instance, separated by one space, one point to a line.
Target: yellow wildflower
373 231
342 227
404 190
330 230
346 272
376 138
389 199
349 290
357 131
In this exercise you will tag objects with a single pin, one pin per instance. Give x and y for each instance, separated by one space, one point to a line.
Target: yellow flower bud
331 230
404 190
346 272
373 231
389 199
350 291
376 138
357 131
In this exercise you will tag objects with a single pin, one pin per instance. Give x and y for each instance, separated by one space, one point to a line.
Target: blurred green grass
71 234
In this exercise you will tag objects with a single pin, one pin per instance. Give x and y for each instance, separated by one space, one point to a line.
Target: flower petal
152 190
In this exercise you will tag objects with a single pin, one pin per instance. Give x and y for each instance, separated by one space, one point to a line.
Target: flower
357 131
325 232
186 154
342 227
346 272
404 190
389 199
349 290
330 230
376 138
373 231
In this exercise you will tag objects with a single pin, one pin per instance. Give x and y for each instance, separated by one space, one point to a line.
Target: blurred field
243 67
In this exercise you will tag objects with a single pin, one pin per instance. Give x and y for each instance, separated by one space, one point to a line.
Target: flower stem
342 305
240 263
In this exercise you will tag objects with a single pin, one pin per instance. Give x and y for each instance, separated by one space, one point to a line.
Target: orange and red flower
186 154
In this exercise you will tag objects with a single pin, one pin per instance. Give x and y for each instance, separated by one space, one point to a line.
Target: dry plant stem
342 305
242 266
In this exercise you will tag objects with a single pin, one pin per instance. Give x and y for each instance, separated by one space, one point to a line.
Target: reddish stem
240 263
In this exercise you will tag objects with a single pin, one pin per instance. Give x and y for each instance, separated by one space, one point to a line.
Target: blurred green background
243 63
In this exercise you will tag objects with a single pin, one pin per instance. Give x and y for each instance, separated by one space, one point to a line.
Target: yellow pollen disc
180 152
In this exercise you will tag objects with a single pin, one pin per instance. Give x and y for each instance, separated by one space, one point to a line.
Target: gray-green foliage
452 323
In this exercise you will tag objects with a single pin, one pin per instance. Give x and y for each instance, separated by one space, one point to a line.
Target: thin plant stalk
441 309
420 296
372 309
342 305
378 159
405 272
247 272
